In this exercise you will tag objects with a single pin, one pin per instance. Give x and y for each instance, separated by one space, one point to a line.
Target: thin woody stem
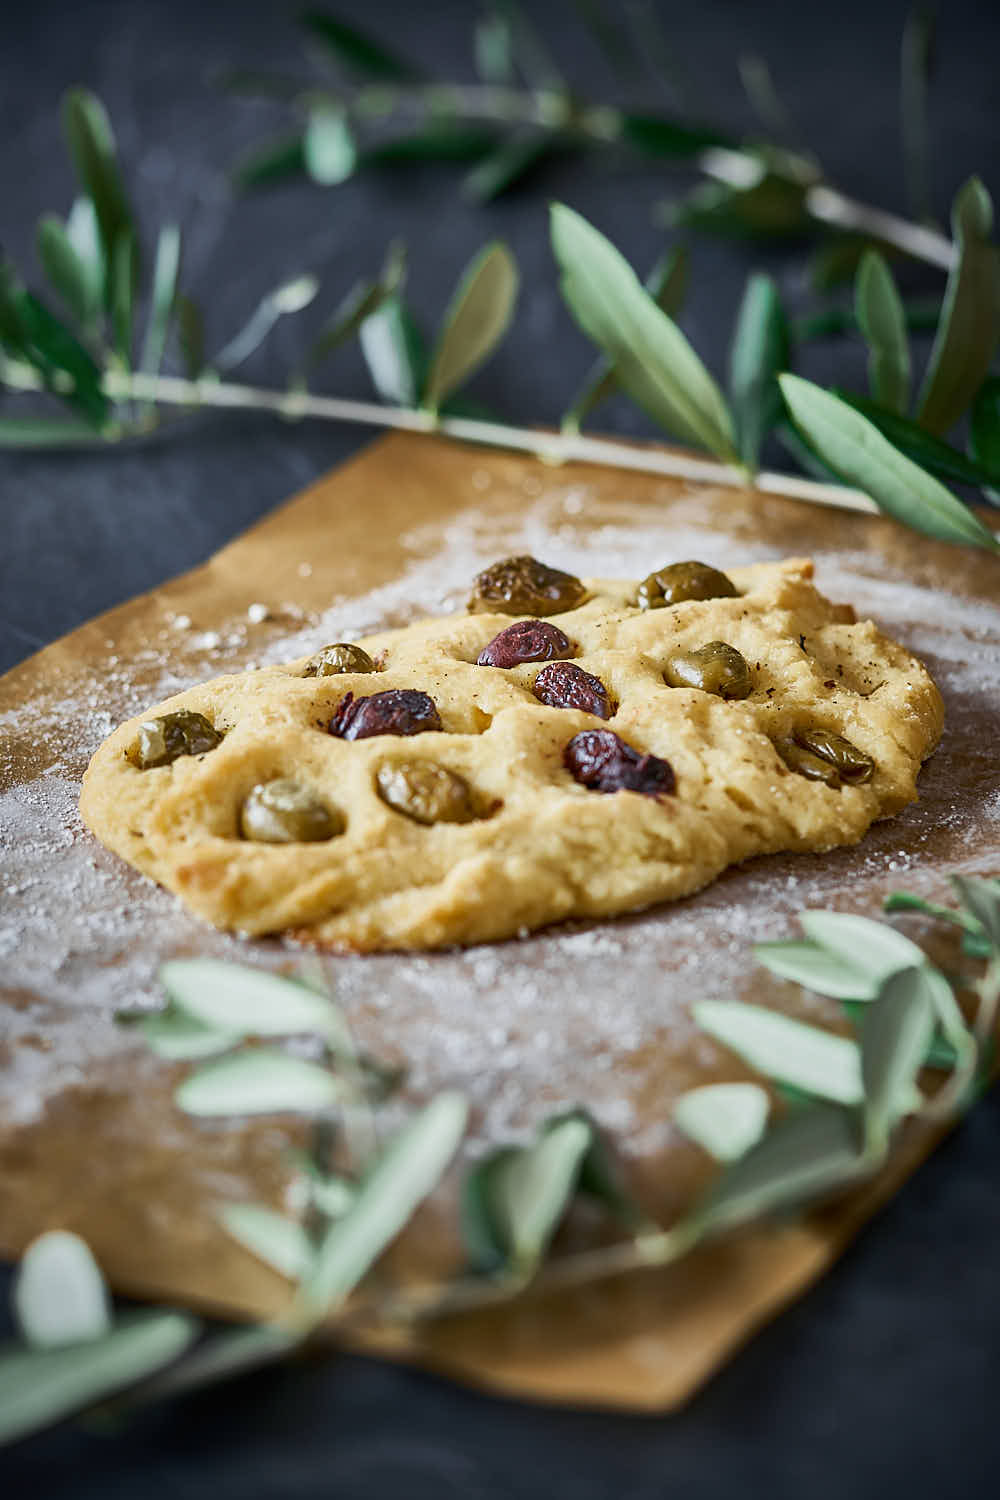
553 447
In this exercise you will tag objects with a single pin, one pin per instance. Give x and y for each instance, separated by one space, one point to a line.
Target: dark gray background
883 1379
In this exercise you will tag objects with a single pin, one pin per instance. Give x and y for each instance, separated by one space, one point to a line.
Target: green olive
684 580
165 739
525 586
333 660
425 792
286 812
825 756
716 668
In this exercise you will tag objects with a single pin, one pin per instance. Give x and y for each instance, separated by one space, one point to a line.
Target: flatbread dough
544 847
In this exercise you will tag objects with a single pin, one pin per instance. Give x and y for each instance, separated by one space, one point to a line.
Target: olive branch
865 449
824 1120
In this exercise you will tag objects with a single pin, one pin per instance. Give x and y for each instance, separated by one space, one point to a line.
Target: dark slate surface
883 1379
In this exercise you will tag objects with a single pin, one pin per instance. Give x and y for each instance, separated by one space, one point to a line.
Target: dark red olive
598 759
396 711
528 640
565 685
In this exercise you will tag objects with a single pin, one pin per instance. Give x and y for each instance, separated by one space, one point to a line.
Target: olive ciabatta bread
472 777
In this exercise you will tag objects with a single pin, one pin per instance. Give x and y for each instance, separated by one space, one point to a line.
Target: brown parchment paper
89 1137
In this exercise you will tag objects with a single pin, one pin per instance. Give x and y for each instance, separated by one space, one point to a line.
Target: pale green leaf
328 147
816 969
161 303
653 360
279 1241
65 269
354 47
42 1386
530 1189
984 431
857 452
872 948
59 1293
882 320
291 297
981 899
91 143
759 354
47 432
394 353
247 1002
122 287
807 1058
83 233
969 326
725 1119
896 1033
804 1155
178 1037
223 1355
259 1082
408 1169
476 320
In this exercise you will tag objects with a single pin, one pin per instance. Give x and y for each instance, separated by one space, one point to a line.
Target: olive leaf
393 350
508 164
178 1037
808 1152
272 163
725 1119
493 45
984 432
243 1001
217 1358
328 146
883 323
121 281
60 1296
61 360
161 303
84 235
653 360
857 451
279 1241
476 320
601 1176
759 354
291 297
896 1032
806 1058
91 144
440 140
42 1386
66 270
907 901
354 47
46 432
827 973
514 1199
258 1082
930 452
967 333
666 284
921 315
981 899
772 206
364 299
663 137
408 1169
873 948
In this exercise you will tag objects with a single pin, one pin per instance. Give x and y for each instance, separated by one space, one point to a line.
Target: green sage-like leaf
161 302
896 1033
219 1357
279 1241
883 323
394 352
476 320
122 284
91 144
41 1386
967 334
512 160
984 433
364 299
408 1169
857 451
60 1296
981 899
258 1082
654 362
328 147
349 45
827 973
179 1037
243 1001
514 1200
907 901
808 461
809 1152
51 347
44 432
725 1119
759 354
930 452
773 207
494 49
84 234
872 948
65 269
291 297
666 284
601 1176
273 163
816 1062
